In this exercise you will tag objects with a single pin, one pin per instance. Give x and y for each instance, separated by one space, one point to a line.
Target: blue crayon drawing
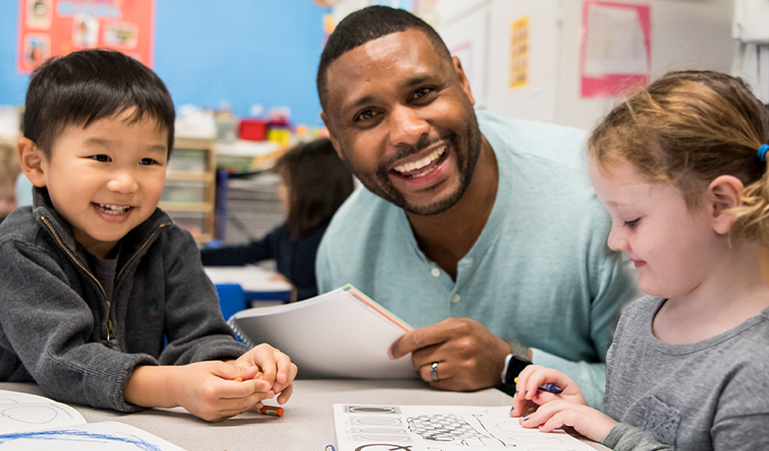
80 436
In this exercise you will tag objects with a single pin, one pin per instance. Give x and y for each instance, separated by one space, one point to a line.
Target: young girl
314 183
681 167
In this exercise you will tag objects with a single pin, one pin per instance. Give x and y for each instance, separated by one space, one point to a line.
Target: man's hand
469 357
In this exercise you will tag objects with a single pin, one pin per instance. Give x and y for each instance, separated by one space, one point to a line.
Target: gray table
308 423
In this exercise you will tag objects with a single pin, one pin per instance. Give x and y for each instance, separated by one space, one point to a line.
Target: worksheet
35 423
361 427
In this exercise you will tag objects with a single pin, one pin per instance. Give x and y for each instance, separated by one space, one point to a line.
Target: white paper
88 437
444 428
24 412
333 335
615 42
36 423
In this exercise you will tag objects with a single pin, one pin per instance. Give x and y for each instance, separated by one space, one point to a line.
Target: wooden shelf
190 190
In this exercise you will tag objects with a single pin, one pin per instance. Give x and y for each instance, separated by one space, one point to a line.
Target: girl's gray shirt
710 395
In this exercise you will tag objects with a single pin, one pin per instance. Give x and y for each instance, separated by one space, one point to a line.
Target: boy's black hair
365 25
85 86
318 183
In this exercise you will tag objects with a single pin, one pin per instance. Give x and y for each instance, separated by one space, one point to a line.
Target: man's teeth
413 166
114 209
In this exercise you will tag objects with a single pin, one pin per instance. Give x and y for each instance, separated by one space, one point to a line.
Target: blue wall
240 51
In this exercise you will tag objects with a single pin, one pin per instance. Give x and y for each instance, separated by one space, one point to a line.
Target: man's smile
423 166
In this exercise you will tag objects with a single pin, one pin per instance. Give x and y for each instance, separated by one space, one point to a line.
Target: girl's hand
276 368
587 421
528 396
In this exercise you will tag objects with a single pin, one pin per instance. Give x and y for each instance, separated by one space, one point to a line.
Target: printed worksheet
361 427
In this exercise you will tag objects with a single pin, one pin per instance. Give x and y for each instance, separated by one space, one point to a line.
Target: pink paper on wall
615 48
57 27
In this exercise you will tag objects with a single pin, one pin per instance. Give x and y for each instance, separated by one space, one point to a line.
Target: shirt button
436 272
455 299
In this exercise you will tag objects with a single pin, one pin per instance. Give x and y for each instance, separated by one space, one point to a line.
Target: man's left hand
469 357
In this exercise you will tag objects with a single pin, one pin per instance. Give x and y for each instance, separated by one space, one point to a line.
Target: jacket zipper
110 329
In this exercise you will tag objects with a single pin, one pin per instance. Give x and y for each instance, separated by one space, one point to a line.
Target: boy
94 276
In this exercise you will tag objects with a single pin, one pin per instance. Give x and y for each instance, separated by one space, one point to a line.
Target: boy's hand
528 396
276 368
208 390
587 421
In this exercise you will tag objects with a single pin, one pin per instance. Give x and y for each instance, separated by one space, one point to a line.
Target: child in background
314 183
682 169
9 170
94 277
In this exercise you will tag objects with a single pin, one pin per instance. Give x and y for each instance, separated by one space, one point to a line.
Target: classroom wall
240 51
685 34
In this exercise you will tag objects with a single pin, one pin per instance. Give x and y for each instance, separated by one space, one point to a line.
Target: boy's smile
107 178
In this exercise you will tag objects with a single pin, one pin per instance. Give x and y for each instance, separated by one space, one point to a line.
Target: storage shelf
190 191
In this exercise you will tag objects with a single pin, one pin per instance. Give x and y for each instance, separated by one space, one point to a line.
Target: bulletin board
57 27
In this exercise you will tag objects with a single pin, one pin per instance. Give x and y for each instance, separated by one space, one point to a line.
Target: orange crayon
270 410
238 379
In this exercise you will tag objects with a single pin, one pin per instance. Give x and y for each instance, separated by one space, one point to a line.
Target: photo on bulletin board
615 51
52 28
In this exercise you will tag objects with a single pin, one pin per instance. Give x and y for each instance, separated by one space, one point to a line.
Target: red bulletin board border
57 27
613 84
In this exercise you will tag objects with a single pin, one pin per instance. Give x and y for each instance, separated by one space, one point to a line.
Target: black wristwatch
514 364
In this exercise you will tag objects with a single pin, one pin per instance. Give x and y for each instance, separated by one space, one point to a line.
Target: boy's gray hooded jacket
54 318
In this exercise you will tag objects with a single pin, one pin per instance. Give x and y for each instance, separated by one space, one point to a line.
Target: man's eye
364 115
421 92
101 157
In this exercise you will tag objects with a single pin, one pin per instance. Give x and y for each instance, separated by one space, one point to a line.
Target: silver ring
434 371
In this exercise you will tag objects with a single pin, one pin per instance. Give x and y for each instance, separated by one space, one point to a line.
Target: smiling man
480 231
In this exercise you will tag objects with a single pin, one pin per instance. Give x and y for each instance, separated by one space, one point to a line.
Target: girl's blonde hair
686 129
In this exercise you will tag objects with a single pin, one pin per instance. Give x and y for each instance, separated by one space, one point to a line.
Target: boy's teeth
408 167
114 209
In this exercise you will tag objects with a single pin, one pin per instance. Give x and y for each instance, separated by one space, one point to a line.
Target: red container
253 129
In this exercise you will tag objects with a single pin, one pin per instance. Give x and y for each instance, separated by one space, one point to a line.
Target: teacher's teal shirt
540 273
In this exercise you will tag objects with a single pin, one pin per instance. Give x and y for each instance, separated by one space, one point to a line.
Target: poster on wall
57 27
519 52
615 53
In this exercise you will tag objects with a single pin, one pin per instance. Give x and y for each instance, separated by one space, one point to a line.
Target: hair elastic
762 152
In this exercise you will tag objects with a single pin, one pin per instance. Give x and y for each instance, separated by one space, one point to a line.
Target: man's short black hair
85 86
366 25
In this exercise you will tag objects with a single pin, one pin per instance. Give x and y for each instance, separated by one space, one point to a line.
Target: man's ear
723 193
331 135
33 161
463 81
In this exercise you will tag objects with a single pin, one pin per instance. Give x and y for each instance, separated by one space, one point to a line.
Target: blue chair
231 299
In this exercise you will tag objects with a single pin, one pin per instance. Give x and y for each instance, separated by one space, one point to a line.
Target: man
487 239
